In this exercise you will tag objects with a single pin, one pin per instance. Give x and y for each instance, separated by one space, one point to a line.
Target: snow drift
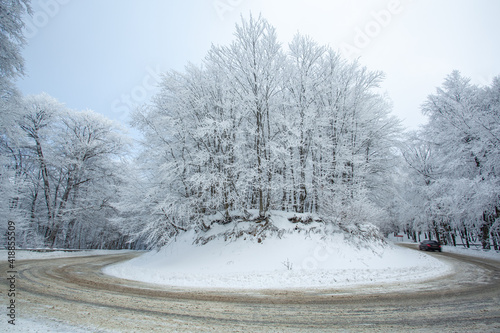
285 251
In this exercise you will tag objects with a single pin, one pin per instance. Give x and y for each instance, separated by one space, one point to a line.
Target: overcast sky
106 55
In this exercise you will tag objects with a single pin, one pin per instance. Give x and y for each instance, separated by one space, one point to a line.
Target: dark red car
430 245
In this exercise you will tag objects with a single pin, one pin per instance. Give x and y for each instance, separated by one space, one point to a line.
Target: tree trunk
46 181
485 232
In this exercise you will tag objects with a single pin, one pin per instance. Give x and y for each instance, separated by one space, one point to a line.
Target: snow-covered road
73 292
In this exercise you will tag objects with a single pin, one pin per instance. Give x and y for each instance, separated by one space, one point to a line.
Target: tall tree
11 67
303 90
254 62
40 112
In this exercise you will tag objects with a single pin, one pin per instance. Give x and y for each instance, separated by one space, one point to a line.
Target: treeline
451 188
61 170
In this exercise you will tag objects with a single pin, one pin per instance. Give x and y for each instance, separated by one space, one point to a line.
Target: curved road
73 290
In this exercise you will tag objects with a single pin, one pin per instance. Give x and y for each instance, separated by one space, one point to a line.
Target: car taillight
429 245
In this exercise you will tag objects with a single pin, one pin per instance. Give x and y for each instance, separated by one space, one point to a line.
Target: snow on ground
36 325
298 259
475 252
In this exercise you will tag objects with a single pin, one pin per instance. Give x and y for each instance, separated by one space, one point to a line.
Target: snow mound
291 255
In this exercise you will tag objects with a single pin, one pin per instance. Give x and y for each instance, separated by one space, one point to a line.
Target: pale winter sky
106 55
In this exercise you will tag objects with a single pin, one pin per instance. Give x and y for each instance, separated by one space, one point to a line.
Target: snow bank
473 252
299 257
37 254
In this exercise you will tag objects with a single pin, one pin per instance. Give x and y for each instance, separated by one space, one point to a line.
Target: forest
258 126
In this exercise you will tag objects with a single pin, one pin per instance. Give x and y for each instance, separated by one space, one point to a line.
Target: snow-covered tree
11 42
11 60
11 67
457 161
257 127
253 63
65 167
